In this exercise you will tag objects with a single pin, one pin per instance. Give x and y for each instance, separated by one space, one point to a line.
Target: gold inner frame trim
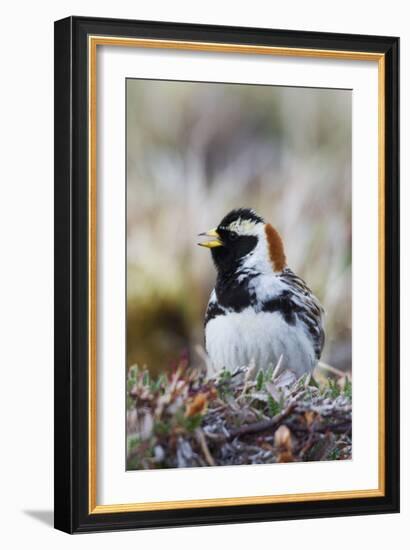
93 42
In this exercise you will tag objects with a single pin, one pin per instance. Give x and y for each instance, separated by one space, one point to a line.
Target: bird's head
243 240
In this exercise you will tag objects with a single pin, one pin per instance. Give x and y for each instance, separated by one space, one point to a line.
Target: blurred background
197 150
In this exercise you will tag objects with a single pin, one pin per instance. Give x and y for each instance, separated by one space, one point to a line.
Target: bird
260 312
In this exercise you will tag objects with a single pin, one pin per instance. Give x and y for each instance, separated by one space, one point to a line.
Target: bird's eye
233 236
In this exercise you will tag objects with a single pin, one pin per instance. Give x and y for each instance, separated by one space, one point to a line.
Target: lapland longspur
259 311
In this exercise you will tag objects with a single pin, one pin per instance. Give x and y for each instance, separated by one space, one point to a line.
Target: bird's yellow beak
211 244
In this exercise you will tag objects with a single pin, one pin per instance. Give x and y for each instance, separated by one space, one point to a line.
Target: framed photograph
254 377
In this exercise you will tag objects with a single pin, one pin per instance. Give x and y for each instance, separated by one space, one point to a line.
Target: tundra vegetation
181 419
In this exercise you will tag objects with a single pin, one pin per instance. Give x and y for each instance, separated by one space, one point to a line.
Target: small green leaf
334 454
132 442
162 428
225 376
334 388
193 422
133 372
145 378
259 381
273 406
348 388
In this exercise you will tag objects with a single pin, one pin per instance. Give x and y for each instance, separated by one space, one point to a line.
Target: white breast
238 339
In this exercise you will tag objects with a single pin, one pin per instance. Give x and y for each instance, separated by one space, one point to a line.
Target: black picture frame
72 276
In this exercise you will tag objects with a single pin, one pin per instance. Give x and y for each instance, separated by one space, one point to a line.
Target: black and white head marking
239 232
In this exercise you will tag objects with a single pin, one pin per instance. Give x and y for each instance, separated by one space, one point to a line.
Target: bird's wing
307 307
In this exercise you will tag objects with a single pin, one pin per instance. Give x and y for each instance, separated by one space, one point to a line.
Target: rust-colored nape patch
275 246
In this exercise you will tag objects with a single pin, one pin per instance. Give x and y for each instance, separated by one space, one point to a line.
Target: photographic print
226 274
238 351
